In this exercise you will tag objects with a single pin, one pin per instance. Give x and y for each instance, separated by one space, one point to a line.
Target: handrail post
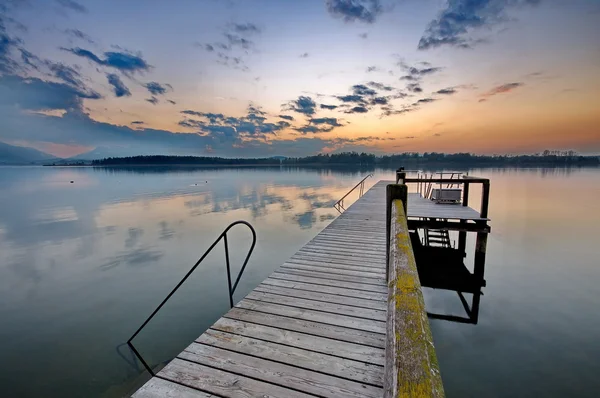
392 192
231 289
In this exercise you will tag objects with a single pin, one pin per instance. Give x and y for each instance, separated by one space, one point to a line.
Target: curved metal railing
339 205
230 286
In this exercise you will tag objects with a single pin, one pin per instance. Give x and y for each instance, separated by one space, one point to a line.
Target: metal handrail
340 203
231 288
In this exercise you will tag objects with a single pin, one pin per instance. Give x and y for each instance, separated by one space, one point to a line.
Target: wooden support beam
411 367
449 225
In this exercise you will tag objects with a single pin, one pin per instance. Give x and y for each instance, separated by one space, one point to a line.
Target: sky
253 78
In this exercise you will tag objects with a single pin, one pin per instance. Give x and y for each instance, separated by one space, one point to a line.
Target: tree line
364 159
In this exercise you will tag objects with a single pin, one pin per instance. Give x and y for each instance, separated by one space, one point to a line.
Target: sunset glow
264 78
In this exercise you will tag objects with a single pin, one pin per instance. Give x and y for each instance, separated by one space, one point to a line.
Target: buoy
71 182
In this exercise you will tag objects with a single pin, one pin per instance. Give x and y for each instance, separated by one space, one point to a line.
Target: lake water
82 264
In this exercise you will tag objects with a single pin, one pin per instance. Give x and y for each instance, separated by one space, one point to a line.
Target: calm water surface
82 264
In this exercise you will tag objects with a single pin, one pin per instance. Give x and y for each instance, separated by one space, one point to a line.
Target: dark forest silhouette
551 158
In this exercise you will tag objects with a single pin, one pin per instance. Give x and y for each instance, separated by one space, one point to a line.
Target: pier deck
315 327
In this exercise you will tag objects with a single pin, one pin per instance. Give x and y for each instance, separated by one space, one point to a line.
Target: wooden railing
411 367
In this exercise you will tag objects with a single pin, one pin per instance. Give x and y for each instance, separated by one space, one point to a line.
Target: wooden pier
326 323
315 327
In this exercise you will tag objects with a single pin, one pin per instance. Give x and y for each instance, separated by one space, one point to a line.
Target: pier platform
326 323
315 327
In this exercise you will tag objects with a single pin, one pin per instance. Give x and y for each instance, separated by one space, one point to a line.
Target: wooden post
465 201
392 193
479 259
485 199
400 175
411 368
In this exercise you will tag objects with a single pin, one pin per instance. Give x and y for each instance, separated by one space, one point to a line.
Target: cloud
118 86
137 122
73 5
361 89
76 33
447 91
332 121
379 101
156 88
329 107
355 10
303 104
65 73
7 44
38 95
245 28
372 69
414 87
501 89
287 117
460 17
228 128
357 109
304 55
380 86
319 125
416 73
153 100
363 35
172 102
424 101
125 62
351 98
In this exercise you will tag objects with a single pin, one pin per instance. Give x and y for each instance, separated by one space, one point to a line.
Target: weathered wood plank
337 277
318 296
339 291
336 269
376 268
344 261
159 388
323 363
315 316
341 333
222 383
277 373
358 312
343 349
328 282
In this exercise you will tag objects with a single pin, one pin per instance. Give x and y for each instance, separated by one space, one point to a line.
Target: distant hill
10 154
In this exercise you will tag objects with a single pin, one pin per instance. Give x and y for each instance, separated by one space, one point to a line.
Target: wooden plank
159 388
339 256
339 291
222 383
323 363
363 250
341 333
363 313
314 316
338 239
343 349
380 289
345 261
330 298
343 264
277 373
335 277
377 277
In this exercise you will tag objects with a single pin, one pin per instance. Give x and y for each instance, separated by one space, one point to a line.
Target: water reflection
82 262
